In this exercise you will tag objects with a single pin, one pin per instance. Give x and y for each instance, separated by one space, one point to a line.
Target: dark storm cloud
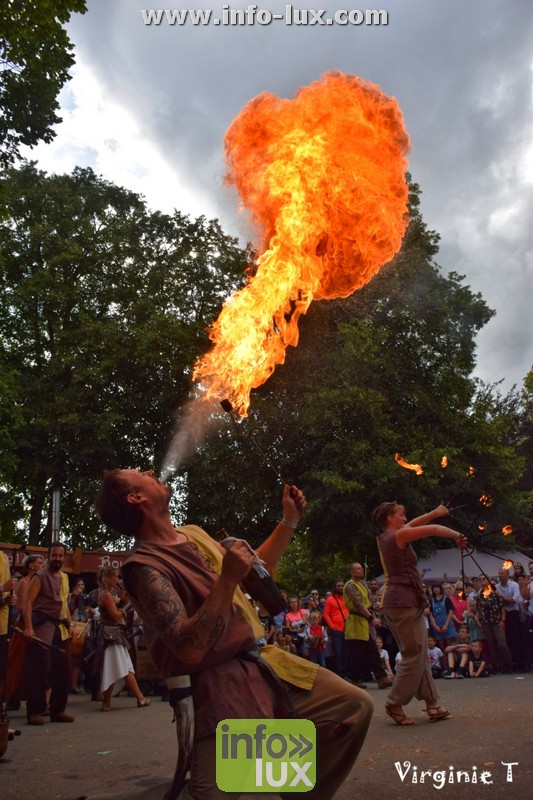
460 71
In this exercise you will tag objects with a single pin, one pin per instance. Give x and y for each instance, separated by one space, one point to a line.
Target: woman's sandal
400 718
437 713
144 703
105 707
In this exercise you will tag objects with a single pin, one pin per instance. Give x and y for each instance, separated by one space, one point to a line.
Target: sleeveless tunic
226 684
403 585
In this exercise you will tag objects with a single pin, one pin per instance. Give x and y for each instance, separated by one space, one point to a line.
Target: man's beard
55 566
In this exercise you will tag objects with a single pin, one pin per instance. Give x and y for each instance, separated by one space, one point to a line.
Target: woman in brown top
404 603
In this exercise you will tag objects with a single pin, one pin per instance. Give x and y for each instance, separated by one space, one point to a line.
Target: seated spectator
436 658
477 664
457 655
384 657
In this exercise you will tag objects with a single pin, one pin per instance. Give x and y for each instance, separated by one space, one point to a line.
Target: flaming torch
323 179
416 468
507 530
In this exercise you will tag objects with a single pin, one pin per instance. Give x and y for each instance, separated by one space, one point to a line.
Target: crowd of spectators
479 628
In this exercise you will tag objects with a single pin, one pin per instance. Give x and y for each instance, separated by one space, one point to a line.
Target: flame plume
323 178
507 530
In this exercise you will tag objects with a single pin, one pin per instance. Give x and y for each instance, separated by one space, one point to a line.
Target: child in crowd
384 657
477 666
457 655
284 641
316 638
471 620
436 658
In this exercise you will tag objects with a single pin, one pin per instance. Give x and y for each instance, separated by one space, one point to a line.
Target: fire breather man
197 622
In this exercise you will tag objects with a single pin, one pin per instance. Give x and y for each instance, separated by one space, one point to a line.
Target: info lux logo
266 755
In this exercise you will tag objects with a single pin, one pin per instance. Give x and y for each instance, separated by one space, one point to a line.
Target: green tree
103 312
35 57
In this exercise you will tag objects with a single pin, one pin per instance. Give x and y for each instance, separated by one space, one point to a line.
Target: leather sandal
437 713
399 717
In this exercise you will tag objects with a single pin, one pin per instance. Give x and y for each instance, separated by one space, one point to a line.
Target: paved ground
130 748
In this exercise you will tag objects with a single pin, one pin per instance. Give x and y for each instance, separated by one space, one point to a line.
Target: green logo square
266 755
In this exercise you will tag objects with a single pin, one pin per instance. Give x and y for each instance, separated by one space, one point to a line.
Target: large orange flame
403 463
323 178
507 565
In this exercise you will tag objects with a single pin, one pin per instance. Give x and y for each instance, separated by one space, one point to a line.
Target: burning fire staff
185 587
404 603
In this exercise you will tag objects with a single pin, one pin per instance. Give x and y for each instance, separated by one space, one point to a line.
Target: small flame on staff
486 500
481 527
403 463
444 462
488 591
471 472
507 565
507 530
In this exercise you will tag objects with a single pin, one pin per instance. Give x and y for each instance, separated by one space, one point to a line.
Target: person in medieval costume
197 622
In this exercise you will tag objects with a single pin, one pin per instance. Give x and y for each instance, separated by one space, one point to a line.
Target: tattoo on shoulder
157 601
156 596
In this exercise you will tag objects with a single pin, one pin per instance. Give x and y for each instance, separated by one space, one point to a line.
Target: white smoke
195 421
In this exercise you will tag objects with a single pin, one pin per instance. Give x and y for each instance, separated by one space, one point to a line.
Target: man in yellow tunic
46 625
360 633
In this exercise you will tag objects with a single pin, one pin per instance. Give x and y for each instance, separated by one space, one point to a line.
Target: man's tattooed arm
162 609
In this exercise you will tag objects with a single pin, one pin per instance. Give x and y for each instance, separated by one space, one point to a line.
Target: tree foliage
35 57
103 311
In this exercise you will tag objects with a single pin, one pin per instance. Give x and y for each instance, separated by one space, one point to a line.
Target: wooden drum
78 631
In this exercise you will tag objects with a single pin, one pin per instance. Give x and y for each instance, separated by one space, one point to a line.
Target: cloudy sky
148 107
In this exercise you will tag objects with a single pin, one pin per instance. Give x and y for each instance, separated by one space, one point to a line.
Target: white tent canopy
446 565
